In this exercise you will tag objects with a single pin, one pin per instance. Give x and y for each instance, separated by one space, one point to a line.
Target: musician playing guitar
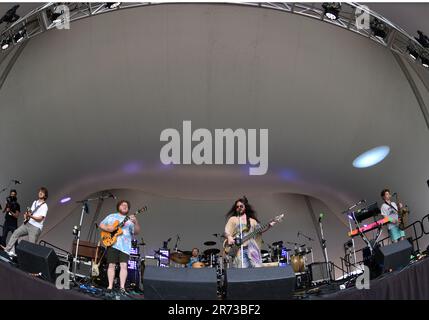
243 213
119 252
33 222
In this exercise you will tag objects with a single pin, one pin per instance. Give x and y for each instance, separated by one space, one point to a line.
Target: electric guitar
109 238
232 249
95 268
27 215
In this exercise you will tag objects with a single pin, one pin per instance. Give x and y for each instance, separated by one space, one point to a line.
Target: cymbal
211 251
180 257
209 243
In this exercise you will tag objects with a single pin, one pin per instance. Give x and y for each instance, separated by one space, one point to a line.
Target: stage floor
410 283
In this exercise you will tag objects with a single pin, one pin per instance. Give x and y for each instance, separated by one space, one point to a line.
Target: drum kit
297 258
209 258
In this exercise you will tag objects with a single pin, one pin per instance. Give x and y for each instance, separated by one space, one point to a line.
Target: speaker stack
202 284
34 258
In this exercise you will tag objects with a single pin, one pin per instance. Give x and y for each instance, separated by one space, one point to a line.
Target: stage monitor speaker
393 256
319 272
34 258
260 283
163 283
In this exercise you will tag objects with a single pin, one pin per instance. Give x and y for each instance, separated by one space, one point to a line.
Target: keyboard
369 227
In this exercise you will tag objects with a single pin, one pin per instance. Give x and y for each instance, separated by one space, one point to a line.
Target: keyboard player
390 209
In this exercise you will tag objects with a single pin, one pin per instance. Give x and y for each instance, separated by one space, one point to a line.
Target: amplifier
83 268
87 249
319 272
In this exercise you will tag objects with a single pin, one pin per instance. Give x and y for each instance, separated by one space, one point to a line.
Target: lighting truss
397 40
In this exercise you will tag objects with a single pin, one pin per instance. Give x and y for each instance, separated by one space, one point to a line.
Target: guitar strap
390 205
37 207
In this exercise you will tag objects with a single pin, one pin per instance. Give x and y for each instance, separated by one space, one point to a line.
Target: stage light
55 16
371 157
425 62
412 52
331 10
422 39
6 43
19 36
65 200
10 16
112 5
378 28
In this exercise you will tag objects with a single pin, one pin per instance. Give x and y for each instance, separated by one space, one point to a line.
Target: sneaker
11 254
122 291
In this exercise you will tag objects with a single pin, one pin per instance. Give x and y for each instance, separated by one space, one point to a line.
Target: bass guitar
232 249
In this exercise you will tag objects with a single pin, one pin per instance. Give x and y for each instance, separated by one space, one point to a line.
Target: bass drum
297 263
198 264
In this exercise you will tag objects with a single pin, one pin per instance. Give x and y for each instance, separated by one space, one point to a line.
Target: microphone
16 181
320 217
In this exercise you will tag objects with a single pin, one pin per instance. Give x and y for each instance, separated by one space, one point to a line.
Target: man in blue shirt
119 252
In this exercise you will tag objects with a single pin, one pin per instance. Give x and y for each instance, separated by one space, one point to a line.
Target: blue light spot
371 157
288 174
65 200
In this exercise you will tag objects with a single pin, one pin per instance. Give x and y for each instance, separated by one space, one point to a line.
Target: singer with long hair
243 217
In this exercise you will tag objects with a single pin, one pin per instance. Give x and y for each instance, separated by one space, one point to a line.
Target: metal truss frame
397 40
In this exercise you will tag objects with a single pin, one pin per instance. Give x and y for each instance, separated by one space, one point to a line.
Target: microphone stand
307 237
325 250
241 237
85 209
348 212
177 241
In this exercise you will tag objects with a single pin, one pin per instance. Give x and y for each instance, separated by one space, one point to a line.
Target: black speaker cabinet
34 258
393 256
260 283
161 283
319 272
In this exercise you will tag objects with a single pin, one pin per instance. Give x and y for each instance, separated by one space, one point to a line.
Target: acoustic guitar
232 249
109 238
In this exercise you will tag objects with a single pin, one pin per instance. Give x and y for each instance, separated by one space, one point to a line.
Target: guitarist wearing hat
120 250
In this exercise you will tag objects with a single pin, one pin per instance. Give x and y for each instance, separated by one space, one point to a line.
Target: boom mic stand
85 209
323 243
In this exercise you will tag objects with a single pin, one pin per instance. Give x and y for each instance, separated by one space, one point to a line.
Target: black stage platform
410 283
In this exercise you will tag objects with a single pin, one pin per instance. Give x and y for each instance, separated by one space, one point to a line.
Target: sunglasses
240 206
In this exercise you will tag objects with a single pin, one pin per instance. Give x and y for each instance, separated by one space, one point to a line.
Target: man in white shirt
390 209
33 226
